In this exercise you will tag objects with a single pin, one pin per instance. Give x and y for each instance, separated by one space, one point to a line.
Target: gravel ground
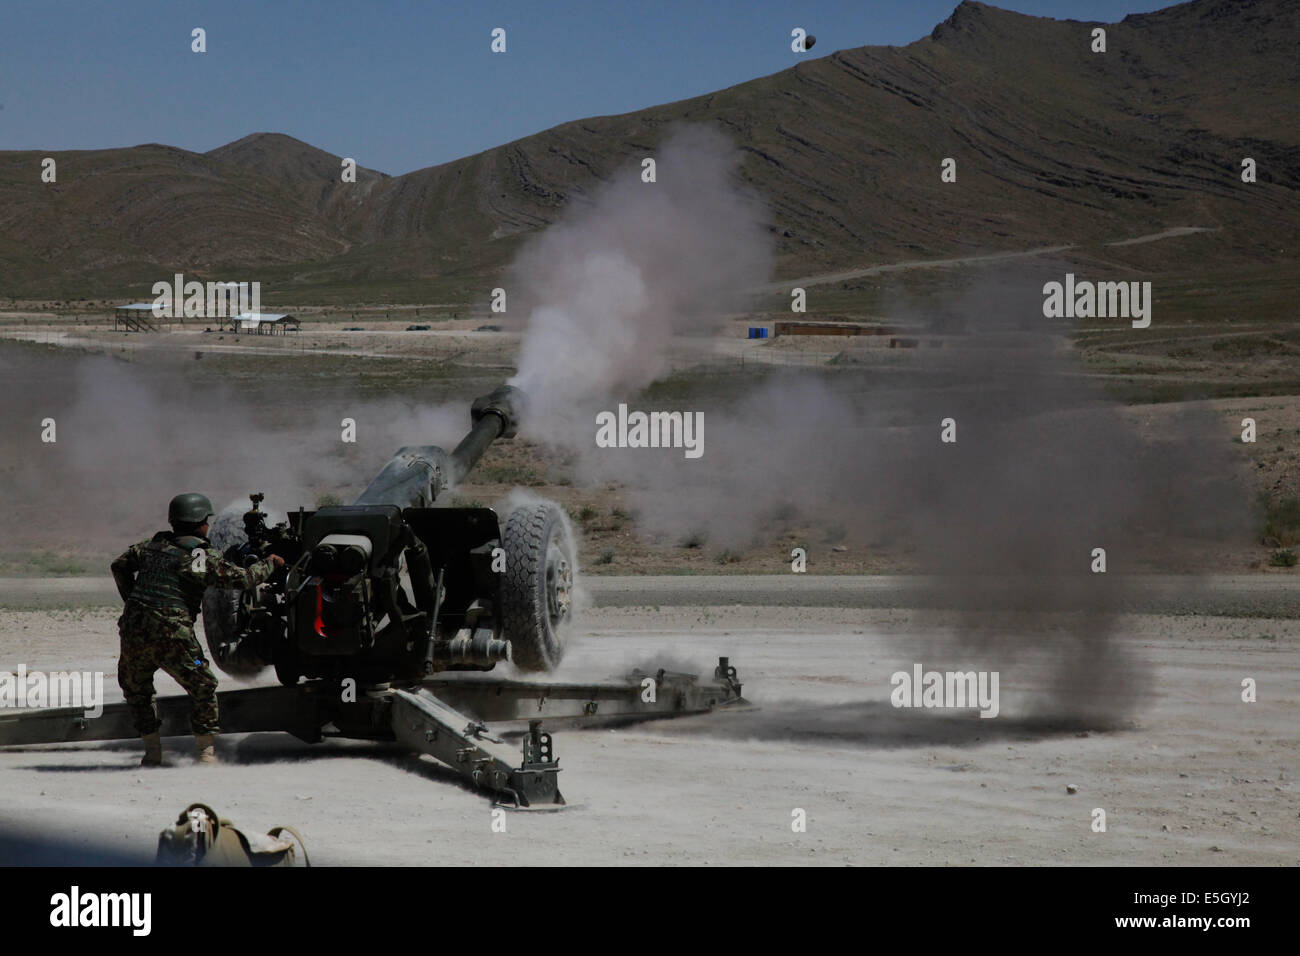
1192 776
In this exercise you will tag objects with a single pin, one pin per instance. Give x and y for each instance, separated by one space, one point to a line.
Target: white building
263 323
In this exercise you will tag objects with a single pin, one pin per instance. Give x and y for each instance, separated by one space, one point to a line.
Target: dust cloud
131 435
1007 519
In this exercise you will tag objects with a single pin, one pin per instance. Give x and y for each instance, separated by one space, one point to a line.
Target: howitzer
391 588
382 601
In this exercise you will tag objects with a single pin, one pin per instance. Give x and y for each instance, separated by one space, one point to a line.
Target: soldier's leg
136 663
185 662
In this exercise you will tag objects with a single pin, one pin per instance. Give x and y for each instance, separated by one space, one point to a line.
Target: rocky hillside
1053 144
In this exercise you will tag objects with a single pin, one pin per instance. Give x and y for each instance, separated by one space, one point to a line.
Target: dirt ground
1194 776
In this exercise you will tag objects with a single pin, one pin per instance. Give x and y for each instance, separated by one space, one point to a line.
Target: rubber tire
287 664
221 605
220 625
533 534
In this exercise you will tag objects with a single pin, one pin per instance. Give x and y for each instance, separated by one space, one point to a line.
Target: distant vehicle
488 328
354 328
418 328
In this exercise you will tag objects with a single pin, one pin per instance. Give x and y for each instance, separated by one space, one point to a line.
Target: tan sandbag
201 838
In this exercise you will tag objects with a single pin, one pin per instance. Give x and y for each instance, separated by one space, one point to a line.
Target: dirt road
1229 595
971 260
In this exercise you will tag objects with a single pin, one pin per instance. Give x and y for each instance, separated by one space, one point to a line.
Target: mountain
283 157
1053 143
312 173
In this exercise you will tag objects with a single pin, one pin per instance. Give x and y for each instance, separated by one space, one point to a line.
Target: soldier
162 581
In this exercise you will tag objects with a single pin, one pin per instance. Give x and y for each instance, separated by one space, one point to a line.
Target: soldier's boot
152 750
207 748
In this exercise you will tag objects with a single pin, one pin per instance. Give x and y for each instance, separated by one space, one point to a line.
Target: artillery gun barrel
495 416
417 474
471 448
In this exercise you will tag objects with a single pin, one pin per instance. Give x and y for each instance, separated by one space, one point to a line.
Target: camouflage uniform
162 581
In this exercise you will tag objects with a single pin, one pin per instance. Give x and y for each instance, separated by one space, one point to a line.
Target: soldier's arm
217 572
124 568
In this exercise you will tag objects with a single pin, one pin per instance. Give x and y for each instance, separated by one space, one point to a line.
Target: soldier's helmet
190 508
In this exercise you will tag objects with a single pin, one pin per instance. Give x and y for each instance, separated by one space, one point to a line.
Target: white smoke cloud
609 287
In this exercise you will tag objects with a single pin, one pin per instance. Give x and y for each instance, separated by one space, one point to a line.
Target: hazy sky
410 83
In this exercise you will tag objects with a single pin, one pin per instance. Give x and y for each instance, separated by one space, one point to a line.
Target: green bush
508 474
1282 520
54 563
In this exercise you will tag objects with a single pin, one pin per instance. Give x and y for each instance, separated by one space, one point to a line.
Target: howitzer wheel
287 665
537 586
223 610
223 616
